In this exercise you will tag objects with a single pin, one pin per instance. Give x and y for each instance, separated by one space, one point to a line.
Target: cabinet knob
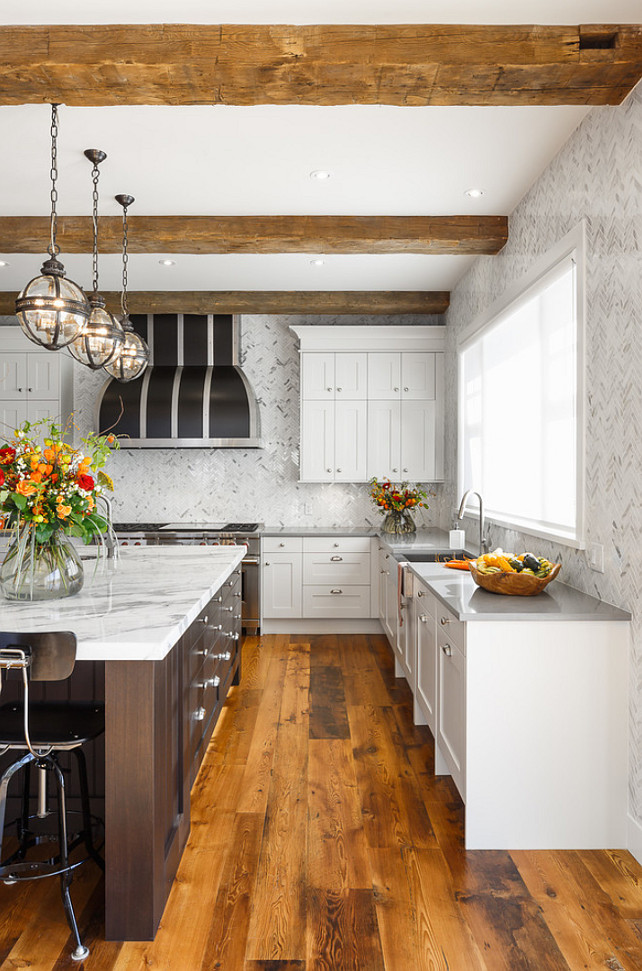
339 470
328 470
266 563
395 389
336 546
395 470
225 656
339 389
281 544
335 559
405 389
423 618
420 593
204 620
229 609
383 571
199 714
210 682
447 649
405 470
20 389
336 591
444 620
328 389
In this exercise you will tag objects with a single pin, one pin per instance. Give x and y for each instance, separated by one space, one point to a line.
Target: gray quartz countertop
558 602
319 531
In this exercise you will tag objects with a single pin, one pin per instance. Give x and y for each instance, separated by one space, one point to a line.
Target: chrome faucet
110 540
483 543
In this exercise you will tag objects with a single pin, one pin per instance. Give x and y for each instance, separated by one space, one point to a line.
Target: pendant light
133 357
52 310
102 337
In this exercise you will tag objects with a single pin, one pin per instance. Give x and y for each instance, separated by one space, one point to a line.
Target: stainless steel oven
207 534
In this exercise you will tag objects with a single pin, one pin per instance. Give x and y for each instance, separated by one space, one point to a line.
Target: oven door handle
249 561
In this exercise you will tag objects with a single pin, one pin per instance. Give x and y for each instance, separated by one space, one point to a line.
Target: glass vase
40 571
398 521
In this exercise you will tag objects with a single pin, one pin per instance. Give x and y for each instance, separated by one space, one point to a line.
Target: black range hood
193 393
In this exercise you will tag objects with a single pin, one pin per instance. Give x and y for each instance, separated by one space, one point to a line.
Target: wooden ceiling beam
272 302
329 64
431 235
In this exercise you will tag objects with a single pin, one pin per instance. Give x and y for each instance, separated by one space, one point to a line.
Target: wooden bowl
513 584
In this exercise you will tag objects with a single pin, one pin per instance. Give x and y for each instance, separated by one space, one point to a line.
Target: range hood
193 394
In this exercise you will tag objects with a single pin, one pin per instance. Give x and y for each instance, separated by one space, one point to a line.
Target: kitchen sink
431 556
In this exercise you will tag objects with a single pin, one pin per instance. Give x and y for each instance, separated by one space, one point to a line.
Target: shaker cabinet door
426 665
418 376
384 445
317 441
351 375
384 374
13 376
418 441
317 376
350 437
43 375
282 575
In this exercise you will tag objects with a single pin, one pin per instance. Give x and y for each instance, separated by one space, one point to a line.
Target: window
520 415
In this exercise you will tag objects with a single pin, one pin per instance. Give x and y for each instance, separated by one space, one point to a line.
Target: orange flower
63 511
45 469
36 476
25 488
49 455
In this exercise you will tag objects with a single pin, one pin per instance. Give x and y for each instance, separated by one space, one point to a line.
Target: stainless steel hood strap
207 388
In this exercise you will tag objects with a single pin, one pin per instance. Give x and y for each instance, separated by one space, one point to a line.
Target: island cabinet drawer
426 602
336 568
336 544
282 544
449 628
332 600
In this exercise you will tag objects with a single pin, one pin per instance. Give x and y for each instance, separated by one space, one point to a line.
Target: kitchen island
159 634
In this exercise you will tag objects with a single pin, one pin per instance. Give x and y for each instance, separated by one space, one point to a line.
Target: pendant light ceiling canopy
52 310
133 356
102 337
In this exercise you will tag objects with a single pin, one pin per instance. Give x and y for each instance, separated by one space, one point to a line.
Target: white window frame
573 245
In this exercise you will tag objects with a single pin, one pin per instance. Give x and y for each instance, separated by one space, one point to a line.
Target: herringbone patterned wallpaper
596 176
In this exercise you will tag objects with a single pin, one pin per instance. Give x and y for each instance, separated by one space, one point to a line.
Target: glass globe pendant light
52 310
133 357
102 337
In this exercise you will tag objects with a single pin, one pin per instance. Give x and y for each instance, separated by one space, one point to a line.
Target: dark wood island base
160 716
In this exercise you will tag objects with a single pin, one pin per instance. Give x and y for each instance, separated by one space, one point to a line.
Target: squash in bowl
500 572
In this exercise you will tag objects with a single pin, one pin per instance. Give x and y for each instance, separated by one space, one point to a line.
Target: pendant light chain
53 249
95 175
123 295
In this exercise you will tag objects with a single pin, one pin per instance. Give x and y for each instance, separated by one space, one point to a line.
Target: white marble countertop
138 611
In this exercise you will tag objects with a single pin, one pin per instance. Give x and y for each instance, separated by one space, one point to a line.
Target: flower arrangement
390 497
48 485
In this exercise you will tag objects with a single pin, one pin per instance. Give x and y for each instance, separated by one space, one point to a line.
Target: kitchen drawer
336 544
336 568
449 629
427 603
282 544
332 601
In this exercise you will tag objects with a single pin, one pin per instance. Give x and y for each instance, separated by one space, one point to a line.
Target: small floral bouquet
49 485
389 496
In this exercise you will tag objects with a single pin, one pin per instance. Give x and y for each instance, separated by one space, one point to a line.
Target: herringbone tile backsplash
597 176
205 485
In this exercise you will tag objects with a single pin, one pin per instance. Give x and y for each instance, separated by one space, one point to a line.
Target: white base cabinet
319 578
530 718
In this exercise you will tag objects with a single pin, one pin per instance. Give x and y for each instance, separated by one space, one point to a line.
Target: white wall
596 176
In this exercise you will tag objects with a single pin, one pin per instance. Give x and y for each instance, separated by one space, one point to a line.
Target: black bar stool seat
52 724
38 731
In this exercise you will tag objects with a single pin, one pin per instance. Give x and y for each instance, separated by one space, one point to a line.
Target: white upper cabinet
34 383
371 403
325 377
43 375
13 376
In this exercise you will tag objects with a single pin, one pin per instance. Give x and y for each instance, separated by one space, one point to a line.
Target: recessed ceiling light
317 262
474 193
167 262
3 263
320 175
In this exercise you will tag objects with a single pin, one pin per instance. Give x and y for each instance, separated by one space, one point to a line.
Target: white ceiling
256 160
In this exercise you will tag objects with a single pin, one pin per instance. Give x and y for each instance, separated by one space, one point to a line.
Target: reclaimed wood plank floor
321 840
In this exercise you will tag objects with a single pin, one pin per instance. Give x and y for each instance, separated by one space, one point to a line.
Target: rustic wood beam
272 302
251 64
432 235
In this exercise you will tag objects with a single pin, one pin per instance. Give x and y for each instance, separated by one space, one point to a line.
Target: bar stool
42 729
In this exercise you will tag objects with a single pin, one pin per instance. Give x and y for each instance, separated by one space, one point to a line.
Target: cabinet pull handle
232 635
423 618
229 609
335 559
447 649
204 620
199 714
210 682
445 620
225 656
336 591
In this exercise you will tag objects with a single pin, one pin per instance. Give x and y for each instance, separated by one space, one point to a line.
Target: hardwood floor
322 841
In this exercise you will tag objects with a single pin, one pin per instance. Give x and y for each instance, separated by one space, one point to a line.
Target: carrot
457 564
